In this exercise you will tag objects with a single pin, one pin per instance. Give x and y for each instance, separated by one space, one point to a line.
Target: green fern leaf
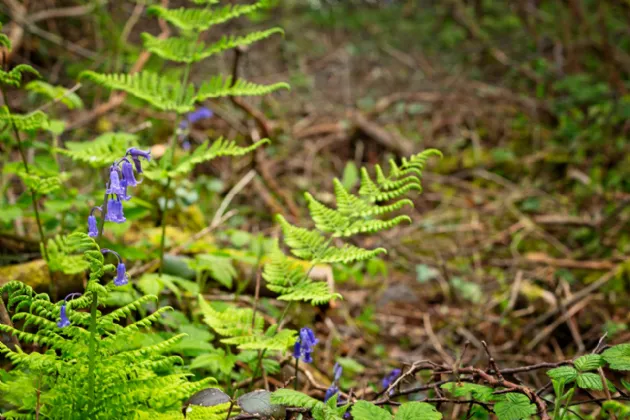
220 86
70 99
304 243
348 253
36 120
161 92
235 322
100 152
184 50
199 20
291 398
279 341
5 41
14 76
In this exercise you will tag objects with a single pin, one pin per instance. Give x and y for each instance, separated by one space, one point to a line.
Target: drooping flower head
337 371
127 173
330 392
191 118
63 314
115 211
92 228
136 154
115 185
304 345
389 379
121 271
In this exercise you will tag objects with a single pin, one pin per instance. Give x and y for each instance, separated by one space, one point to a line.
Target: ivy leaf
363 410
589 362
618 357
514 407
564 374
417 410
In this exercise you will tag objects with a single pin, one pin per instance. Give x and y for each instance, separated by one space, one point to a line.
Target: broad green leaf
363 410
514 407
564 374
479 392
417 410
590 380
618 357
589 362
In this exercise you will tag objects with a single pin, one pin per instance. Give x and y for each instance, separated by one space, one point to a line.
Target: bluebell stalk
121 271
63 314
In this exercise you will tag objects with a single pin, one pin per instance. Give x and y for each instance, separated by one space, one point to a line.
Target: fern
70 99
206 152
14 76
34 121
220 86
198 20
185 50
101 151
161 92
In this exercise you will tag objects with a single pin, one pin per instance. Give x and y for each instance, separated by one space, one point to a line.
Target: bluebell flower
304 345
124 196
337 371
136 154
115 211
64 321
121 275
127 173
389 379
63 315
115 186
330 392
92 227
197 115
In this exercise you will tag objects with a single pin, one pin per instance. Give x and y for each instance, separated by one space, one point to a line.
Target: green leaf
589 362
102 151
590 380
618 357
479 392
363 410
514 407
14 76
161 92
215 361
564 374
417 410
291 398
55 93
220 267
220 86
34 121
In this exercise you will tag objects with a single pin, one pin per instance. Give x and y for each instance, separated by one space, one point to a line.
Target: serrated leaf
363 410
589 380
417 410
618 357
565 374
479 392
589 362
514 407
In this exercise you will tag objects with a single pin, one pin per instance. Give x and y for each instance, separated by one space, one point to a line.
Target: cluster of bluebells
121 177
389 379
191 118
303 347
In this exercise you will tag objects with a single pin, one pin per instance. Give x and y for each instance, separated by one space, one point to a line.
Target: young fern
354 214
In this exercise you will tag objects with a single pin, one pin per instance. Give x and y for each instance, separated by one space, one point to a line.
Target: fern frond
41 184
291 281
304 243
101 151
158 348
62 257
219 86
70 99
325 218
291 398
127 310
14 76
5 41
161 92
199 20
36 120
184 49
348 253
235 322
279 341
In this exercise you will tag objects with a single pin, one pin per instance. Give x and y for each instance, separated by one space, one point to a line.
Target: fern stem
163 224
38 220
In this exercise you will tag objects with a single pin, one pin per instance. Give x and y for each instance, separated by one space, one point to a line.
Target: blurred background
521 235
